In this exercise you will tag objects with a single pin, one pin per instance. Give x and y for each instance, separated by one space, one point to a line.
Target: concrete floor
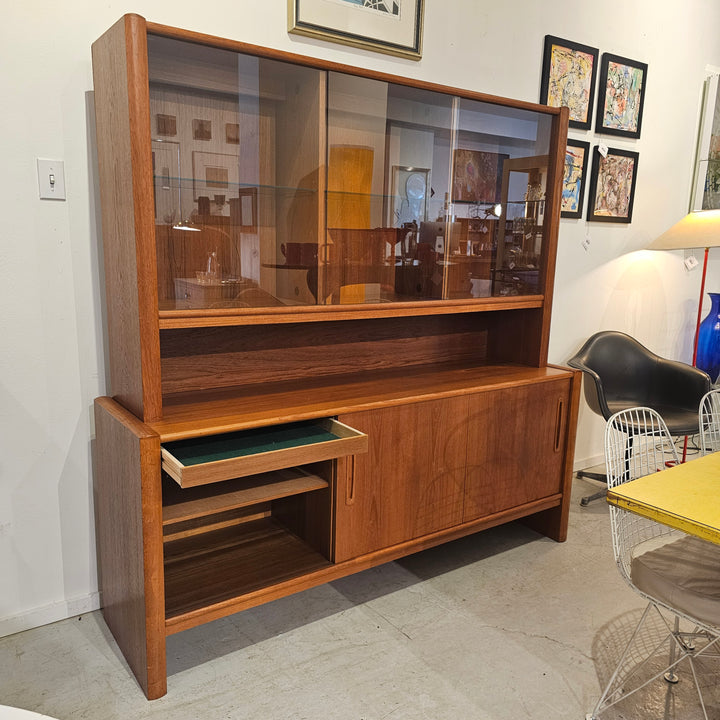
503 625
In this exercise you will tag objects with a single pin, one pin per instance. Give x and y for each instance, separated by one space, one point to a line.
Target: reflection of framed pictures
166 181
621 96
612 186
577 158
477 176
409 195
378 25
215 177
568 78
166 124
202 129
232 133
243 210
706 189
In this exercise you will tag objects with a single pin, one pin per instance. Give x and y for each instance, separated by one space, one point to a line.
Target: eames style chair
677 574
709 420
620 373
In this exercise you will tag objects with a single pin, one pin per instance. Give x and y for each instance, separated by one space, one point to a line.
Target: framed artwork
706 186
389 26
215 180
477 176
568 78
612 185
410 194
577 158
621 96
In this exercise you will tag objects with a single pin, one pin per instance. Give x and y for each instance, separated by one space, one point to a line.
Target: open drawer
198 461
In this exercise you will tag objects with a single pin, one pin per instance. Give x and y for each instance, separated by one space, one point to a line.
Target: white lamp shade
696 230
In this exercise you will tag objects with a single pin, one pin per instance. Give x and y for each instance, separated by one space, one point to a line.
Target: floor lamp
699 229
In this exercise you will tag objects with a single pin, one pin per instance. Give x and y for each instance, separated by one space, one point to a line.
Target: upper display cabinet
283 182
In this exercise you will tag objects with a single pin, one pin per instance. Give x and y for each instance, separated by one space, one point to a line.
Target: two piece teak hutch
328 305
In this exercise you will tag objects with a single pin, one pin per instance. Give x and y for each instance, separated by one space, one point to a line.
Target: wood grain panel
125 162
410 482
226 357
516 446
173 318
180 505
128 507
553 522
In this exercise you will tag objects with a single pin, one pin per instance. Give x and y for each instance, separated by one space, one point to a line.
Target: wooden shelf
219 411
220 317
181 505
215 567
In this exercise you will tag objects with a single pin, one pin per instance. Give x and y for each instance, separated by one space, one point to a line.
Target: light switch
51 179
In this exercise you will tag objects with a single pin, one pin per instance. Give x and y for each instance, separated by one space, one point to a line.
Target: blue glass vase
708 349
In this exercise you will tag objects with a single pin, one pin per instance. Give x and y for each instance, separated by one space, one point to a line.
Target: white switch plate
51 179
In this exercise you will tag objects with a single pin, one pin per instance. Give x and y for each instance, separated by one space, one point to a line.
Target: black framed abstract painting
621 96
577 159
612 185
568 78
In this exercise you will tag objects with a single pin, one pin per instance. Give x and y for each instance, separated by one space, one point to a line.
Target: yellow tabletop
685 497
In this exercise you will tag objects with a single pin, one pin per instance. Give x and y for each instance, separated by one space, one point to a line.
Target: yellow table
685 497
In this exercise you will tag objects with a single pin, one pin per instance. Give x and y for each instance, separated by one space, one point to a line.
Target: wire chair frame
638 443
709 422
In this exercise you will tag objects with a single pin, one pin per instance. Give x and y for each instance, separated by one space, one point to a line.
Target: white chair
709 422
677 574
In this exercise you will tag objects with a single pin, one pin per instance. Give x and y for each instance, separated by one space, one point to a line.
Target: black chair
620 373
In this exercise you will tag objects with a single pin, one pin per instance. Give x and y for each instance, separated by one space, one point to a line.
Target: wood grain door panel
409 483
516 443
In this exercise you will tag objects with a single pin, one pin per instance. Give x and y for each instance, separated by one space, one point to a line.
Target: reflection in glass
280 185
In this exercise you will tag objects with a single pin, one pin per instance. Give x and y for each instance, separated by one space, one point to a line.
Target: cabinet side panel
126 196
128 508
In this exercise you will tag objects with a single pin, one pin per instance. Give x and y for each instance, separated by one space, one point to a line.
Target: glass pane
499 176
389 150
236 157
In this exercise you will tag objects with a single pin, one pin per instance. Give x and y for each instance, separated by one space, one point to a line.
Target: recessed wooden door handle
350 482
559 422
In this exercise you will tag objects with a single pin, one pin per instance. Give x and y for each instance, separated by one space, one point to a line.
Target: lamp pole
699 315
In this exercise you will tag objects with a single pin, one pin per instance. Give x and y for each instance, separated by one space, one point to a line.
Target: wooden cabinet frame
194 373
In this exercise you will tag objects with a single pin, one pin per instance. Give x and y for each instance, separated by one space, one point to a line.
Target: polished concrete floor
504 625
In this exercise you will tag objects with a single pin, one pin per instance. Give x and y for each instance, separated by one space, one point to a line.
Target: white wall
52 358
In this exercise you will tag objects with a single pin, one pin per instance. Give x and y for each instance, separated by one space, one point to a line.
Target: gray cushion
684 574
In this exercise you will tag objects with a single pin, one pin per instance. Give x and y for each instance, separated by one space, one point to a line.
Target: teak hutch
328 305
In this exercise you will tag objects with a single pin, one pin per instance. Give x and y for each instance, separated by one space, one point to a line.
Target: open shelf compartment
234 562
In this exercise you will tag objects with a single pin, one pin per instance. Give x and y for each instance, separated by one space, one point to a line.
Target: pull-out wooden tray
199 461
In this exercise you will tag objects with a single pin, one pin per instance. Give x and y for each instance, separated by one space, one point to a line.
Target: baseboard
49 614
585 463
